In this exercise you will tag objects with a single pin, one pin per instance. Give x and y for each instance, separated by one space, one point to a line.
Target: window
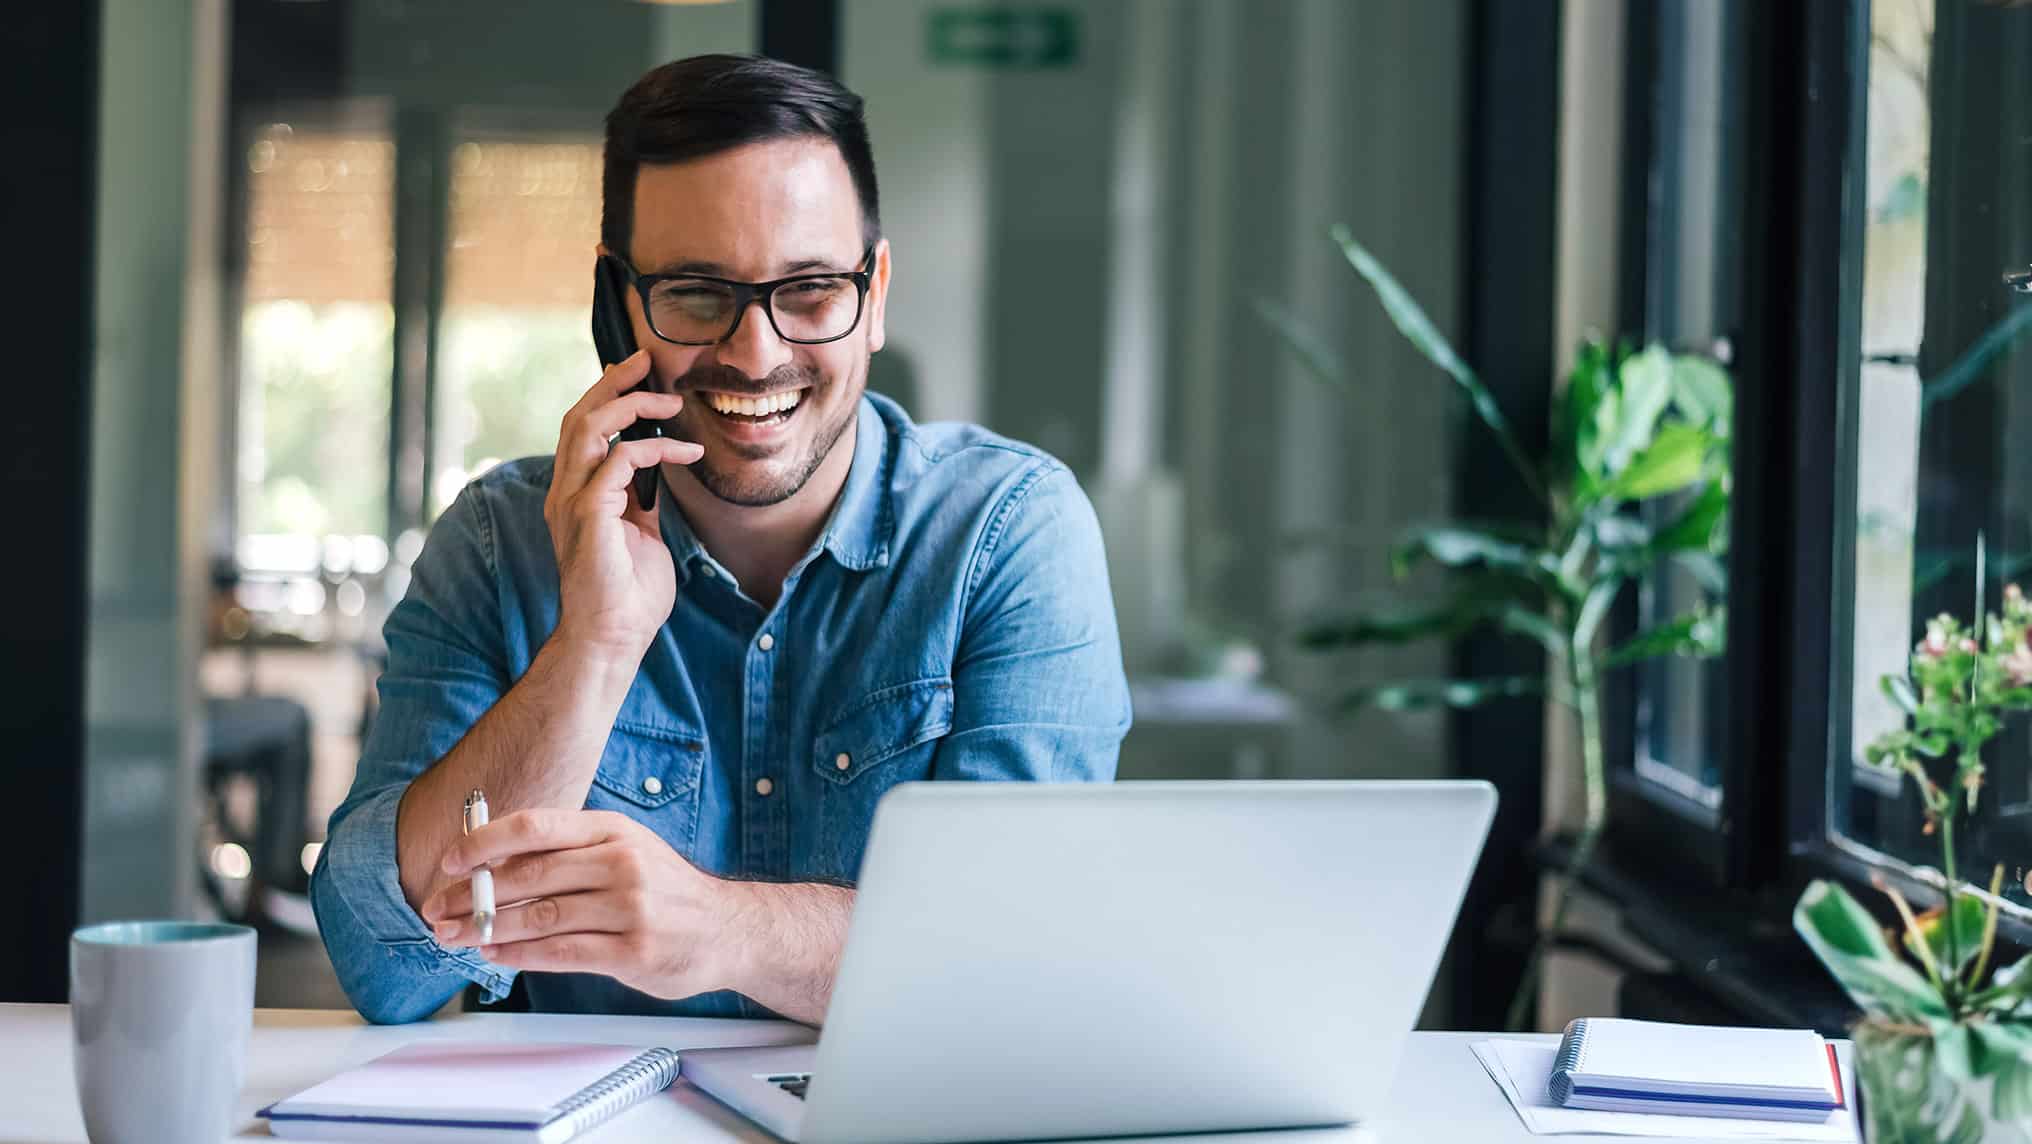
316 342
1681 286
1942 397
515 350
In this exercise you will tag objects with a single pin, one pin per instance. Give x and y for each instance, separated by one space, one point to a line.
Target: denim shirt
953 621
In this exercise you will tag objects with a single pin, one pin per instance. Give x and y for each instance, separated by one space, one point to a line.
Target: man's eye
810 293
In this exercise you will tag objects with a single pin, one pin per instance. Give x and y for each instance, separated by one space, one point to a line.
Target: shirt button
652 785
763 787
766 642
842 761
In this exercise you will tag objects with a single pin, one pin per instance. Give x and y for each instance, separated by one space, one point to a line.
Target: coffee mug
159 1018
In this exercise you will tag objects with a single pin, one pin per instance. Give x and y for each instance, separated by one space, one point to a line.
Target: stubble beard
750 484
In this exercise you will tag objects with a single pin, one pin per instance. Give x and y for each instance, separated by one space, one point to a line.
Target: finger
614 380
540 918
626 457
527 832
543 874
582 440
604 953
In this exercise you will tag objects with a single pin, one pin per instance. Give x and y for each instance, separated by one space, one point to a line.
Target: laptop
1029 961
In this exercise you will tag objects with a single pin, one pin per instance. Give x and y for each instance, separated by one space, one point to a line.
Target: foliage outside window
316 348
514 348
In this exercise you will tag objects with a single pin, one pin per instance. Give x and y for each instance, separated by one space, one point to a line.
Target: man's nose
754 348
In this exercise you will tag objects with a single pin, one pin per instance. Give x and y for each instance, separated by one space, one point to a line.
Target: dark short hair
691 108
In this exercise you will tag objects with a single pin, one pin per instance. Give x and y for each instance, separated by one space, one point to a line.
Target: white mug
159 1018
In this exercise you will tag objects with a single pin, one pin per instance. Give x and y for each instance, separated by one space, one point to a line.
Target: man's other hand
590 891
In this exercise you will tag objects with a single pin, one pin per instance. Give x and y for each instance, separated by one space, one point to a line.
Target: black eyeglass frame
747 294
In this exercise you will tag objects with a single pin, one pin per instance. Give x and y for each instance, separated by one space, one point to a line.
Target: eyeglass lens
702 311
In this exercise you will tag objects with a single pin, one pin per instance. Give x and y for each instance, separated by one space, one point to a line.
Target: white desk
1442 1096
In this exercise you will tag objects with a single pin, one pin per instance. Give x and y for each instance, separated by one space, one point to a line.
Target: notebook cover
460 1084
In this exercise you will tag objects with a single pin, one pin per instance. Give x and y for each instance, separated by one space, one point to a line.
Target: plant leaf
1702 527
1645 381
1522 621
1417 694
1968 917
2016 977
1998 1045
1626 532
2012 1096
1580 434
1703 393
1676 458
1846 939
1710 572
1697 634
1898 690
1411 321
1397 626
1455 547
1311 350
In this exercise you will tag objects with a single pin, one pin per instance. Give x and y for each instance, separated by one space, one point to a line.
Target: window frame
1814 848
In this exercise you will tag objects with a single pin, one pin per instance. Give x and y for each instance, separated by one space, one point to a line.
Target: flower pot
1909 1098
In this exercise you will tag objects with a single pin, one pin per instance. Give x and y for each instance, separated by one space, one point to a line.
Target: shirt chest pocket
652 774
887 737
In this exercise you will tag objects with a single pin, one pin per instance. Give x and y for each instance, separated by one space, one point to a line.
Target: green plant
1636 475
1951 1020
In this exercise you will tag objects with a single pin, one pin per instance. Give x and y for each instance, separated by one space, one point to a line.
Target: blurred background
294 271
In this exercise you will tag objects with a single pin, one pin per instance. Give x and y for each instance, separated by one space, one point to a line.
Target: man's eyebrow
718 270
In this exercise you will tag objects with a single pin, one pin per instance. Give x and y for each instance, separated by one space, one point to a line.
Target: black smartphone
614 338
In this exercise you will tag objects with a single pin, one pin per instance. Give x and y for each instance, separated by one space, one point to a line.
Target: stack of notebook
1615 1065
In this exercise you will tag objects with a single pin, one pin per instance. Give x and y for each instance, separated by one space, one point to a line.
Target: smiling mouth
769 409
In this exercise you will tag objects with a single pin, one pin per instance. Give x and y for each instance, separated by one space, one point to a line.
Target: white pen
483 878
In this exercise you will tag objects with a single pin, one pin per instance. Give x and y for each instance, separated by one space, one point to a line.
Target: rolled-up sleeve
445 668
1038 688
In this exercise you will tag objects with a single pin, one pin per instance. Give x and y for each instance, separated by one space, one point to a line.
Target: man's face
753 214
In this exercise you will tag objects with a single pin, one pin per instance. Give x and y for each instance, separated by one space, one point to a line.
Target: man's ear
878 298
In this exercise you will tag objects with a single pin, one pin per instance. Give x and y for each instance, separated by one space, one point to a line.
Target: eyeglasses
699 310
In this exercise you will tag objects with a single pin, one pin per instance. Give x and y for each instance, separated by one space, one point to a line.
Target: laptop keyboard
792 1083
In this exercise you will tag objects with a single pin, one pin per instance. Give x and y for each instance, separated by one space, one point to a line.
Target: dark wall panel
49 55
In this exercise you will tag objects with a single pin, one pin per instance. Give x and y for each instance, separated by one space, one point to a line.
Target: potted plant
1636 476
1944 1048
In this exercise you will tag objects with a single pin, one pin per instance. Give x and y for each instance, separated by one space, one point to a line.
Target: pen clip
475 814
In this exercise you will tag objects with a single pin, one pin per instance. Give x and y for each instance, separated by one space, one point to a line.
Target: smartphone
614 338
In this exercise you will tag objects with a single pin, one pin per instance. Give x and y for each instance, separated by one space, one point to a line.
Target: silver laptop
1030 961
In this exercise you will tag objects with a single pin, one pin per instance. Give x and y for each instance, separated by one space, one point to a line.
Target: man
683 717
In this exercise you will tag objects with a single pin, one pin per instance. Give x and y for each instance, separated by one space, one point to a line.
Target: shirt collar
862 521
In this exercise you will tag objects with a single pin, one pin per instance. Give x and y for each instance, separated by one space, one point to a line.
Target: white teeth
755 407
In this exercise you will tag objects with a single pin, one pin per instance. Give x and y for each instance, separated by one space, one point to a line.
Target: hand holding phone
617 584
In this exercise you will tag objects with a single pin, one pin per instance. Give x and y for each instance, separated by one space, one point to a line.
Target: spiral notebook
1618 1065
473 1092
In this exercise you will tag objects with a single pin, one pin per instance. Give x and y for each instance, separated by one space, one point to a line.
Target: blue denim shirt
953 621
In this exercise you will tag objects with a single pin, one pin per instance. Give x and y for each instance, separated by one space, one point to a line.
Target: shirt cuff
361 865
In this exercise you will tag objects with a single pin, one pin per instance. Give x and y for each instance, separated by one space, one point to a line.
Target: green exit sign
1003 37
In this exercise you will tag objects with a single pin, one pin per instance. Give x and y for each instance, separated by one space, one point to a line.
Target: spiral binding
1560 1087
594 1104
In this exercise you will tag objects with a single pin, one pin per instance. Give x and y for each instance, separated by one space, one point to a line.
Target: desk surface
1442 1096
